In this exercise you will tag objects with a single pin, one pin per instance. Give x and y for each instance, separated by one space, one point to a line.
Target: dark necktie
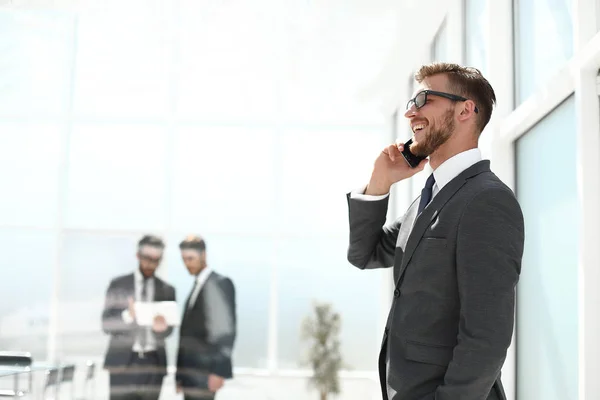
144 290
426 193
143 298
187 303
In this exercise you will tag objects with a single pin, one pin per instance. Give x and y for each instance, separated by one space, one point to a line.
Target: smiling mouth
418 127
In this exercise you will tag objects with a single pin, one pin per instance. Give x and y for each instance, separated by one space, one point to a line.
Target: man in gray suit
456 253
208 327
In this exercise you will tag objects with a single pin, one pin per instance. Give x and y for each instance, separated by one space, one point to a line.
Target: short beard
436 136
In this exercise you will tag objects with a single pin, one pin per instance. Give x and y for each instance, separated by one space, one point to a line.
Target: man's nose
411 112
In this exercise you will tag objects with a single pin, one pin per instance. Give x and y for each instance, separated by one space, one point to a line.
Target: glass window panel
123 60
246 260
316 269
89 262
547 311
29 161
315 100
238 78
319 168
28 258
439 50
35 70
537 24
117 177
476 34
329 72
223 179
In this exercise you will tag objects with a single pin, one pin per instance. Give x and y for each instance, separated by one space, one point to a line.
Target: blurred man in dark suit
136 358
208 327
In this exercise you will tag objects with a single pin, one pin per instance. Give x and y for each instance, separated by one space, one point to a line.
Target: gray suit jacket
122 335
455 269
207 336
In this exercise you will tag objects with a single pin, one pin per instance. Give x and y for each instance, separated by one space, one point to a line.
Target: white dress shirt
200 280
443 174
137 284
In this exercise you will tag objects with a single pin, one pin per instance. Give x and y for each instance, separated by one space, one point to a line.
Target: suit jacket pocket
429 353
433 241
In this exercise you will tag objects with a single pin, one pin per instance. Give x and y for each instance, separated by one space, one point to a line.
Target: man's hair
193 242
152 241
467 82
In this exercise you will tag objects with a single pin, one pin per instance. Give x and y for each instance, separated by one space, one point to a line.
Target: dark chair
20 362
89 380
52 381
67 376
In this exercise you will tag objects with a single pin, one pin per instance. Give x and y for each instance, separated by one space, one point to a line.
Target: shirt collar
137 274
203 275
453 166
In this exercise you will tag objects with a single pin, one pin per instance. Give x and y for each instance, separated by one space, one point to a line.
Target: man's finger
392 149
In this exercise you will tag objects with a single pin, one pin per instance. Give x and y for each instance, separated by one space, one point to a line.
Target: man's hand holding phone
391 167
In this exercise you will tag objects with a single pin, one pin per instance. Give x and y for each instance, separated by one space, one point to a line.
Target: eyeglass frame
427 92
150 259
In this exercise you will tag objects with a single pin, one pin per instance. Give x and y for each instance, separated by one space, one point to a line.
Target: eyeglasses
421 98
154 260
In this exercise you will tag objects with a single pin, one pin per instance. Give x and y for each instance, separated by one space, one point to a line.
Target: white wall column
500 151
588 176
500 62
584 22
587 89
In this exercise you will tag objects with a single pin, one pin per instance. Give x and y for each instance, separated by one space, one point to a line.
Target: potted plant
321 330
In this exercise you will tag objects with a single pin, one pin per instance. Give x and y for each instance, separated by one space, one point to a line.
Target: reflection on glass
246 260
543 42
476 34
227 63
316 269
547 333
319 167
89 262
30 159
123 71
117 177
241 184
439 50
28 260
35 69
223 179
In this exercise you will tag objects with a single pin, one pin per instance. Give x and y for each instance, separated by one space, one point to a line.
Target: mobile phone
412 160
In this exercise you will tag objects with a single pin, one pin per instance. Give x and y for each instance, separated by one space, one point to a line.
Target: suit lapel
192 305
158 292
130 282
431 212
158 287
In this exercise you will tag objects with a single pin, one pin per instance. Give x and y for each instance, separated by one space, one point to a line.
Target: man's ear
467 110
